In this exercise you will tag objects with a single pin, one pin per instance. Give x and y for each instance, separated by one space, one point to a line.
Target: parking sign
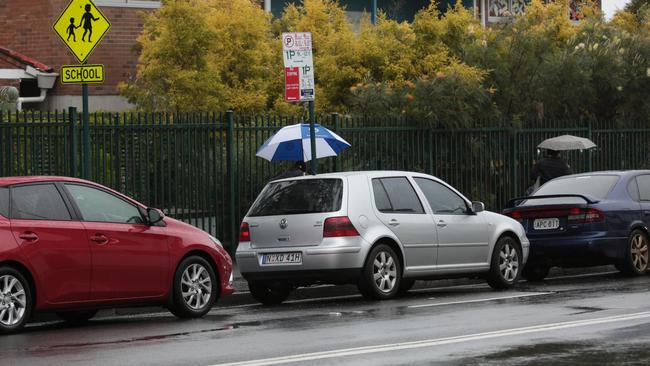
297 54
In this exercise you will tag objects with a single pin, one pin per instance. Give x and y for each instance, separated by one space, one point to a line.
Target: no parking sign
298 67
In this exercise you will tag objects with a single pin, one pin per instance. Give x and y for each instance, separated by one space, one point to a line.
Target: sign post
299 79
85 15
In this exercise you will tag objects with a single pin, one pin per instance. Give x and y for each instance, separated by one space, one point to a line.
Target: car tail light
244 232
338 226
515 215
583 215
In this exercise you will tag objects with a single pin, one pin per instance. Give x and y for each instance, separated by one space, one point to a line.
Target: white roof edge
13 74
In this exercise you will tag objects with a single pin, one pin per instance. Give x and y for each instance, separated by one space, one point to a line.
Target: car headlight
215 240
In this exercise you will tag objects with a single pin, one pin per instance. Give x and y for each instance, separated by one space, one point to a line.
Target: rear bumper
336 261
586 250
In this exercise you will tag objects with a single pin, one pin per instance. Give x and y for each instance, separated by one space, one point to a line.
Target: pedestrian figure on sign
87 21
71 29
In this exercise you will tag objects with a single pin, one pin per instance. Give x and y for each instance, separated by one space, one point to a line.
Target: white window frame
141 4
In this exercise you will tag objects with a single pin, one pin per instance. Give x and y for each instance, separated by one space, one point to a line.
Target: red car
72 246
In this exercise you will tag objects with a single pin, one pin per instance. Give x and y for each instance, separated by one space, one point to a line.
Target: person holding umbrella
297 170
552 166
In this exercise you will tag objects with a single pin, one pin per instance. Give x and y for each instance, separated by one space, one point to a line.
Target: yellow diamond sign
81 26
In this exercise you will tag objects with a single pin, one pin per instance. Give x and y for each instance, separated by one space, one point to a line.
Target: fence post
72 116
430 151
230 136
590 154
514 157
335 119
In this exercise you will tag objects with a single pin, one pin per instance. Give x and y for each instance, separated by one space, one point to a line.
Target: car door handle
28 236
99 239
393 222
441 223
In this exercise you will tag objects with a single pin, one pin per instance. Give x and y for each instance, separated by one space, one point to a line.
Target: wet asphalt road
600 318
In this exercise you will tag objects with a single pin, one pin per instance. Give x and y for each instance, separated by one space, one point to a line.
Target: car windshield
299 197
597 186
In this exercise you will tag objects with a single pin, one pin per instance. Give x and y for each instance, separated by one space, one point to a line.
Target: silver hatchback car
381 230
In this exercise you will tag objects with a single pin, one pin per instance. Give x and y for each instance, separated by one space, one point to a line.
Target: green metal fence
202 168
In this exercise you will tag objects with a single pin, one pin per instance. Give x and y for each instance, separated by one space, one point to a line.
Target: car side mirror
477 207
154 216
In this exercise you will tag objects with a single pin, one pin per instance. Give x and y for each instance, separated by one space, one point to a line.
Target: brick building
27 30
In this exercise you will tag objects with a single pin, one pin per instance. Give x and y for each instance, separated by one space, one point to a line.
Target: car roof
385 173
620 173
8 181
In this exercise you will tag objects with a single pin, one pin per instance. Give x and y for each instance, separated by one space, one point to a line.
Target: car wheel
273 293
505 265
77 316
636 255
15 300
194 288
535 272
381 275
405 285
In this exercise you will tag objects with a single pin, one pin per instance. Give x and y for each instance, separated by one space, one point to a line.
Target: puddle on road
584 309
569 354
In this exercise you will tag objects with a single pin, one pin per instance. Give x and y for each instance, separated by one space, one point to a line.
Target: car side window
633 189
442 199
38 202
396 195
97 205
644 187
4 202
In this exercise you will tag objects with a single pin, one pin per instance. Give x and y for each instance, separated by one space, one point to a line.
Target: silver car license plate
282 258
546 224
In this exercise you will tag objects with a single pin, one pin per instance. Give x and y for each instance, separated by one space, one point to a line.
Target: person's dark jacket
549 168
293 172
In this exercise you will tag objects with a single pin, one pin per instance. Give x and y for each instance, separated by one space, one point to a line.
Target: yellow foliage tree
200 55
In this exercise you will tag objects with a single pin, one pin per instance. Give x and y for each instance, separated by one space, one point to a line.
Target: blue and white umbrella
292 143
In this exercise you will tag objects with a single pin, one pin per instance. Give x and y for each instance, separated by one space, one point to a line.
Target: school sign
81 26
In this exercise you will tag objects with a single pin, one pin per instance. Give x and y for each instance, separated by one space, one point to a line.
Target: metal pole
312 137
373 12
72 115
86 133
267 6
230 136
335 119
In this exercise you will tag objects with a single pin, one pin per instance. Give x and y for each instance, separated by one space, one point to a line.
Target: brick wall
27 28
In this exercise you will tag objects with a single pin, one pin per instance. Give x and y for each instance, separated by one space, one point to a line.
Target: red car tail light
515 215
584 215
244 232
338 227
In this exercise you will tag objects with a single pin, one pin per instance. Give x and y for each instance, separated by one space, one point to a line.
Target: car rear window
597 186
299 197
4 201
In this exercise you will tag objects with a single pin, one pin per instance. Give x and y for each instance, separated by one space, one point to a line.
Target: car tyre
269 293
16 300
635 262
505 267
194 289
535 272
77 317
381 275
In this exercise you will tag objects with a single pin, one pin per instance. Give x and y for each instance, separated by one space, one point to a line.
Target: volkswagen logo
283 224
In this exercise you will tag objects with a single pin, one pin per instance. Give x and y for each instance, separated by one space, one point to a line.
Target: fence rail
202 168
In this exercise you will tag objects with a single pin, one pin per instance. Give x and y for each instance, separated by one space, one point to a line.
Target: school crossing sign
81 26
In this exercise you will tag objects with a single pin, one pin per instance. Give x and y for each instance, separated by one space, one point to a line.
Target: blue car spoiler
515 201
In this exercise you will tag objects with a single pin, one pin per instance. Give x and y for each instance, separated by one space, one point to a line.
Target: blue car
587 220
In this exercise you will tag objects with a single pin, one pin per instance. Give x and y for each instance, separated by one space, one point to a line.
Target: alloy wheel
639 252
196 286
384 272
13 300
508 262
